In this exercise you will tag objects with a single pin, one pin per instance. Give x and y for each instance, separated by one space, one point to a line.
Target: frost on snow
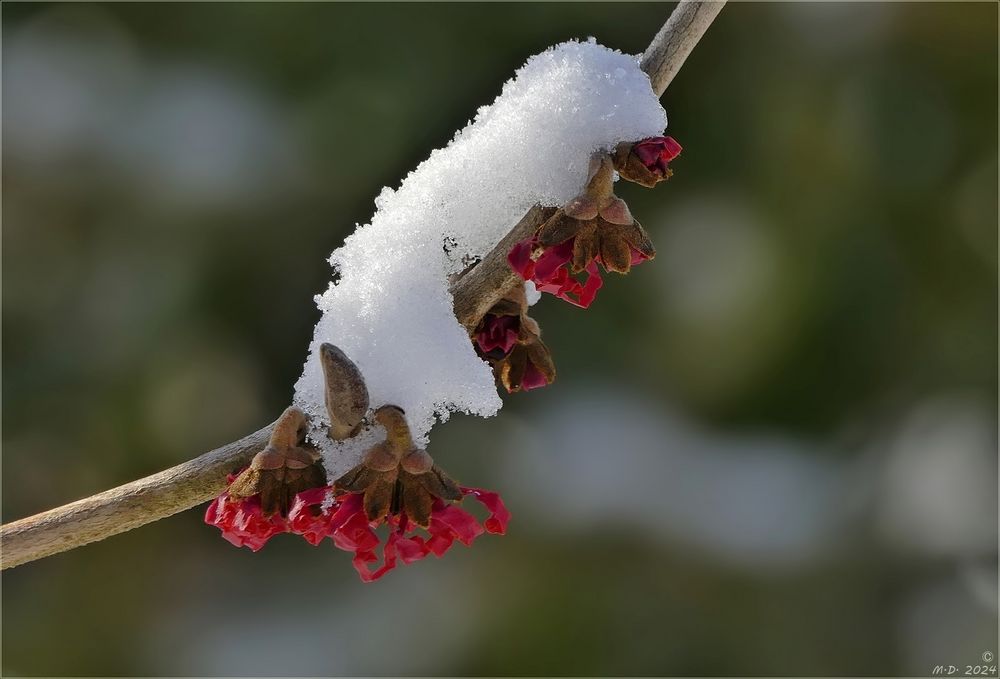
389 308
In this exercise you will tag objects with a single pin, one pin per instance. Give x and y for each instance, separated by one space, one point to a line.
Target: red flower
408 542
254 505
510 340
595 228
533 378
499 516
308 517
316 515
398 485
345 522
498 332
656 152
243 522
646 162
550 271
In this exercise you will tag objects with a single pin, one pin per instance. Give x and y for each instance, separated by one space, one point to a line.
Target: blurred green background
771 451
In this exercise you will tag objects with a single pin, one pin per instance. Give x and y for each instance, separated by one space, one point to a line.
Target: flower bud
646 162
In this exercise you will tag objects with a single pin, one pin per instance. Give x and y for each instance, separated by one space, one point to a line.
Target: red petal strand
557 285
242 523
533 378
360 563
442 538
312 527
590 287
671 149
638 257
552 260
307 516
499 332
212 513
349 507
647 152
656 152
462 524
499 514
363 556
356 534
577 293
411 549
313 496
520 260
564 286
550 273
344 520
388 558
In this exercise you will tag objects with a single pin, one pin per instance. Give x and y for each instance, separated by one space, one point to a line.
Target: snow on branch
442 243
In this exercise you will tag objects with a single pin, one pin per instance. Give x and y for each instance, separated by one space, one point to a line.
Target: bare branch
126 507
199 480
487 282
674 42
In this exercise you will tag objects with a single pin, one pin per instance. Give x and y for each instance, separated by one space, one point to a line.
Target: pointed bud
346 393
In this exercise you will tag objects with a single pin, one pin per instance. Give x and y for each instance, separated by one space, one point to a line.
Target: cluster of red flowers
563 257
318 513
242 521
397 485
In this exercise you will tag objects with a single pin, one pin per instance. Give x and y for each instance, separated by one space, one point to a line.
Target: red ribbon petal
499 514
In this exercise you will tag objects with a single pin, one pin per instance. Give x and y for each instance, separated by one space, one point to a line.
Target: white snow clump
389 308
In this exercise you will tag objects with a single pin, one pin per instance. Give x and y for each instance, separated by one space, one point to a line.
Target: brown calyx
396 476
601 224
529 349
286 467
632 169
